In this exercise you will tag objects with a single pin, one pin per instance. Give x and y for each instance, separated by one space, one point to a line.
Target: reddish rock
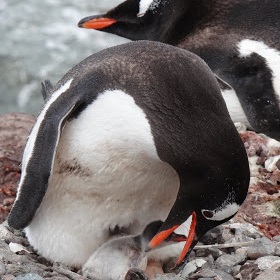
262 206
14 130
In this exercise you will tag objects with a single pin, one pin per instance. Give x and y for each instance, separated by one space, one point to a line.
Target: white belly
106 174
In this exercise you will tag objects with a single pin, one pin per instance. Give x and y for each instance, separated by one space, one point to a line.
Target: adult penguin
132 134
239 40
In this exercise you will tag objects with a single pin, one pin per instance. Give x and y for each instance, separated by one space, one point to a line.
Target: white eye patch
145 5
221 213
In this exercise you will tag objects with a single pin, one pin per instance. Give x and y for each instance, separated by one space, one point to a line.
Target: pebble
189 268
29 276
168 276
267 262
276 238
277 250
227 262
260 248
192 266
270 274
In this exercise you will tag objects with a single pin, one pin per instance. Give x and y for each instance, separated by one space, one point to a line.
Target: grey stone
227 262
260 248
213 236
210 260
29 276
2 269
200 262
249 271
189 268
242 251
192 266
209 251
270 274
215 252
267 262
201 253
244 232
204 273
18 269
222 275
276 238
7 234
277 250
59 278
3 246
168 276
236 270
212 273
7 277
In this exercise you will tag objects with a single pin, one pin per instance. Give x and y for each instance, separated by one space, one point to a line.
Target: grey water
40 40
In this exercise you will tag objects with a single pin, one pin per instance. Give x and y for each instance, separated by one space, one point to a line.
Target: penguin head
139 19
212 200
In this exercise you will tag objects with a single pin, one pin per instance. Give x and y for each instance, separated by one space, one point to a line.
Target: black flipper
39 154
47 89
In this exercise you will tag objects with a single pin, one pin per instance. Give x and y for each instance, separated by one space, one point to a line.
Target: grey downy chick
124 257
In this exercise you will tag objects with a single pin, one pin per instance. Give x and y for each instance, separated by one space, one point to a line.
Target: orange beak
96 23
161 236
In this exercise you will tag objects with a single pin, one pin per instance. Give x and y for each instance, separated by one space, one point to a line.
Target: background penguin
116 146
239 39
114 259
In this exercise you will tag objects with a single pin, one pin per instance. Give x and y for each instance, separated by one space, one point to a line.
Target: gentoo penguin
239 40
116 146
114 259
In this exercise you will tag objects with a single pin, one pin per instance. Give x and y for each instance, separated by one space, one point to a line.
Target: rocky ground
246 248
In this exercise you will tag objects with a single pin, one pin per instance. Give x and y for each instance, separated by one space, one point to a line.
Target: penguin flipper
39 153
47 89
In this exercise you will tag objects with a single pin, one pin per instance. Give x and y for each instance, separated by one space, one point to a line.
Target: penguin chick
115 258
133 134
239 40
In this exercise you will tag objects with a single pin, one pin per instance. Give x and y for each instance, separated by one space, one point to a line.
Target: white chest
106 173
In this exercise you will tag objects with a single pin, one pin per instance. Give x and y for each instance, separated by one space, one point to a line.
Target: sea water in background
40 40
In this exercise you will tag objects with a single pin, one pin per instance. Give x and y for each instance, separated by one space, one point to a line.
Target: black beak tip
82 21
147 249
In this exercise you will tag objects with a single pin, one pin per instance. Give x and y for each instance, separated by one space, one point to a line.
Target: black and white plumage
116 146
239 40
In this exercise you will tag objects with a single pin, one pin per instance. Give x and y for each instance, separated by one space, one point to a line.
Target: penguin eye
207 214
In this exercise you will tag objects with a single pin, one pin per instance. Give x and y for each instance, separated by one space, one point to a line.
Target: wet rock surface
246 248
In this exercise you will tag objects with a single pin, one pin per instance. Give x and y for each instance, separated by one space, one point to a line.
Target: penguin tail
47 89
